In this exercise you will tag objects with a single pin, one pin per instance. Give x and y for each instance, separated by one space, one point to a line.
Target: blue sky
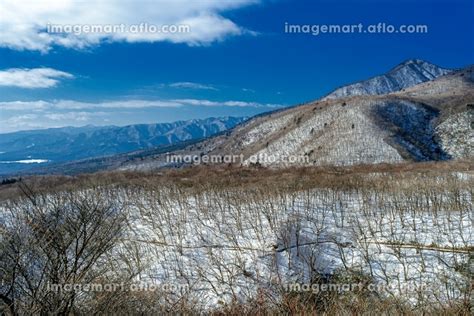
237 61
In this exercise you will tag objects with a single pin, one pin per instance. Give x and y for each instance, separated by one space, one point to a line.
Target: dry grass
229 176
154 195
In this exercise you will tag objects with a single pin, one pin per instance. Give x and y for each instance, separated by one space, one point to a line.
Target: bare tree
51 240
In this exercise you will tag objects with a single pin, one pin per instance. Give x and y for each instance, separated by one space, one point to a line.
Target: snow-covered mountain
431 120
26 148
428 121
405 75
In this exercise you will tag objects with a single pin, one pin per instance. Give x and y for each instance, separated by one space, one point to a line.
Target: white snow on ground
407 74
457 135
338 136
265 128
225 244
223 248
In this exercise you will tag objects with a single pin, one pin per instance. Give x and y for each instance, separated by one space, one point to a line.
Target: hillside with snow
358 202
205 241
405 75
429 121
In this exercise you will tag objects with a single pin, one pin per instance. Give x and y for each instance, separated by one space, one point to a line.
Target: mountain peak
414 61
407 74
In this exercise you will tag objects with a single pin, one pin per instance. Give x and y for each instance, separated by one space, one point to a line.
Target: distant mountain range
405 75
415 112
25 149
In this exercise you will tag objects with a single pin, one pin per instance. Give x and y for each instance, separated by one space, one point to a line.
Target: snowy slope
407 74
226 244
430 121
229 243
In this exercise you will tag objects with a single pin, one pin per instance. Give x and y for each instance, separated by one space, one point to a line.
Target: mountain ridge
404 75
429 121
76 143
426 122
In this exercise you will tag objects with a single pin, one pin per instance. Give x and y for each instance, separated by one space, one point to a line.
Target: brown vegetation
72 229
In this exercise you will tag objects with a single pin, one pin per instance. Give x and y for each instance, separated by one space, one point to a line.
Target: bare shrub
55 239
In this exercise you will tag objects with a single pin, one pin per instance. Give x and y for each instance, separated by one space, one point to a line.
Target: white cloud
192 85
23 24
73 116
49 120
32 78
25 105
24 115
129 104
200 102
22 118
26 121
